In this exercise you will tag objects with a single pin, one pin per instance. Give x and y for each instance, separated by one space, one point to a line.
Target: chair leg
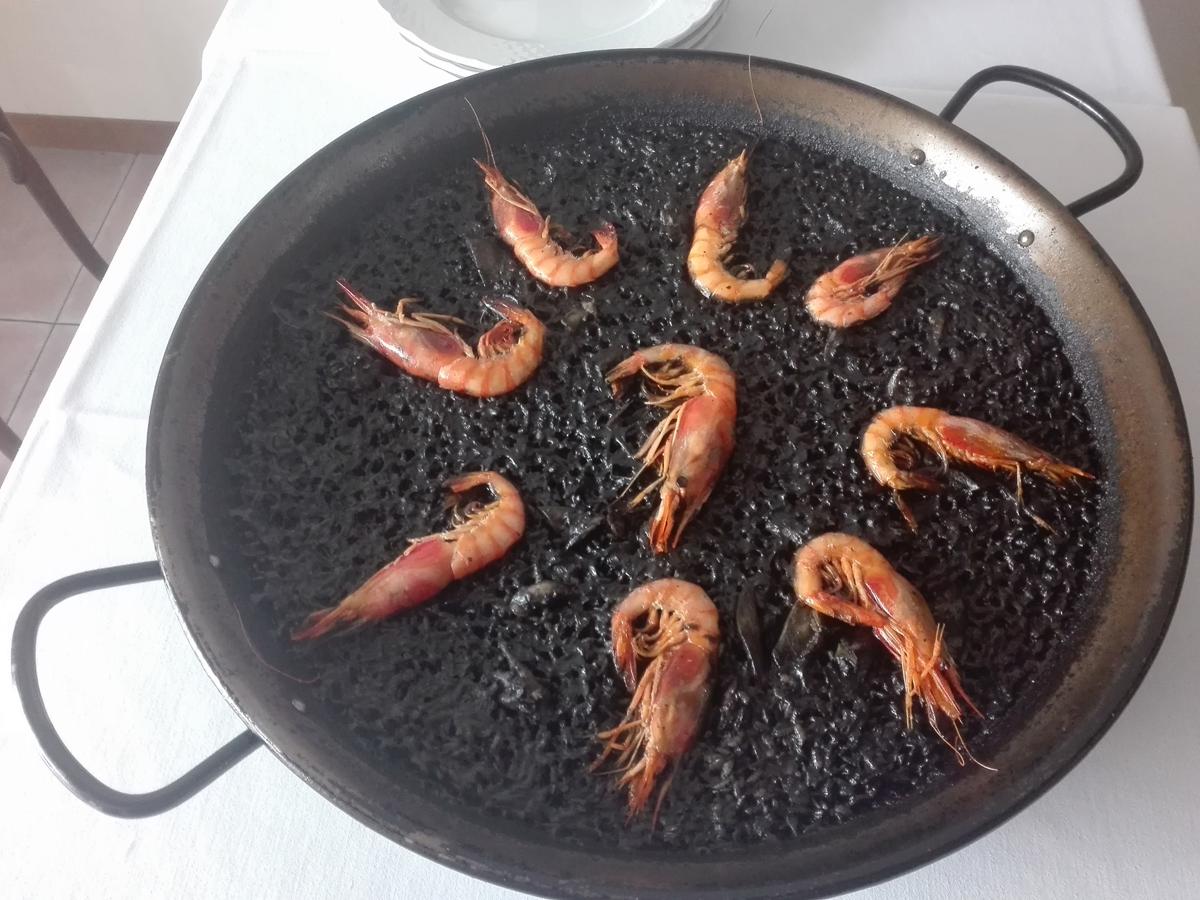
24 169
9 442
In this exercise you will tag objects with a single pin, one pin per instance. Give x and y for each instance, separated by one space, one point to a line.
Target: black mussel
582 529
543 593
621 519
518 683
801 633
570 522
557 517
749 629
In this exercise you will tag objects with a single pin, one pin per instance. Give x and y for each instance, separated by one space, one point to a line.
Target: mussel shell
621 519
749 629
543 593
519 685
570 522
801 633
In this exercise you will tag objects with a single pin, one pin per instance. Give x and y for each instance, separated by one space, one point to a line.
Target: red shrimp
671 626
846 578
864 286
689 447
480 534
424 346
719 217
953 437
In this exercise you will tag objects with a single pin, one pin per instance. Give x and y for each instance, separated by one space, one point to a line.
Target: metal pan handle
1097 111
61 761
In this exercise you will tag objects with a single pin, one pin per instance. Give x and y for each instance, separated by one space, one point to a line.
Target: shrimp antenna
753 93
261 658
487 144
750 70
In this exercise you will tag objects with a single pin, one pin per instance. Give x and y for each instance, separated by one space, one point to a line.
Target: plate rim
508 51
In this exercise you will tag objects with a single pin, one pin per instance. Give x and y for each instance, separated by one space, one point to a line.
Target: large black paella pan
286 463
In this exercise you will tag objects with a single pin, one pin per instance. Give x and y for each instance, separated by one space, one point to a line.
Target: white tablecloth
118 675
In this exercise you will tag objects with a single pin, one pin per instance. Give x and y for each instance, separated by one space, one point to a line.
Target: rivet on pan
299 705
917 156
214 560
1025 238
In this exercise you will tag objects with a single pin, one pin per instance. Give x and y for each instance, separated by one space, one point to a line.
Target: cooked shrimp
679 638
952 437
480 533
864 286
527 231
423 345
691 446
524 229
719 216
846 578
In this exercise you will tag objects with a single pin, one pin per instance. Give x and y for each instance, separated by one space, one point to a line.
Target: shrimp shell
864 286
480 534
844 577
523 228
678 643
719 216
692 444
953 438
423 345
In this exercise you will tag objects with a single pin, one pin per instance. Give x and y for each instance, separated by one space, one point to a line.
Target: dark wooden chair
24 169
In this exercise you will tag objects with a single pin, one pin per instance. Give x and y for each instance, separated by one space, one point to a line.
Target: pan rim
179 563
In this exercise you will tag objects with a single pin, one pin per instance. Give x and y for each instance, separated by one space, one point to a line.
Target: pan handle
82 783
1096 111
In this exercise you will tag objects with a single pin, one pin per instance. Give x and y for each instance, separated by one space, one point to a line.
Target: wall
1175 27
120 59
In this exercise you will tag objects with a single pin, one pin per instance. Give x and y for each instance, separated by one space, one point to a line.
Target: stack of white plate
463 37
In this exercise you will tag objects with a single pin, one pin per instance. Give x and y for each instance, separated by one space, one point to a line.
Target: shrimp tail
1058 472
643 779
664 535
323 621
777 272
606 236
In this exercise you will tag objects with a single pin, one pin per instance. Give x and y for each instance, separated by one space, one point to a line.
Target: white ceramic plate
475 35
695 40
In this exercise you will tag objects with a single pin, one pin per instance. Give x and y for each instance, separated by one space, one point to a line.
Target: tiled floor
44 292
